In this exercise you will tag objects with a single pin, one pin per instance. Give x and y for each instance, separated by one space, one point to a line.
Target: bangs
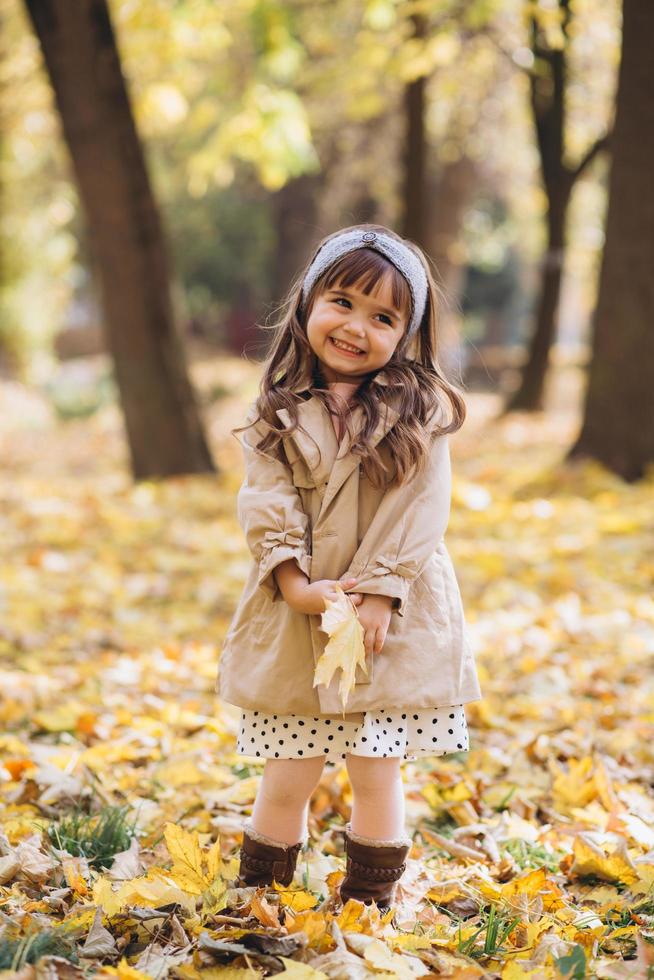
367 269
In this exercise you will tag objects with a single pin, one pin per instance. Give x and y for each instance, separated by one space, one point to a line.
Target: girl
348 482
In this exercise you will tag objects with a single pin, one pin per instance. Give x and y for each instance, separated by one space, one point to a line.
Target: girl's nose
356 329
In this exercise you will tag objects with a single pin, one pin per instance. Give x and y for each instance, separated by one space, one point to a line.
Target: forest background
166 168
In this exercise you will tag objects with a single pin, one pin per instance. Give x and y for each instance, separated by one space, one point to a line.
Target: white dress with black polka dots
377 734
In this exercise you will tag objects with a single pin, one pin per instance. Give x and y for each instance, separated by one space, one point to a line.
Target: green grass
528 855
442 823
16 952
495 927
97 837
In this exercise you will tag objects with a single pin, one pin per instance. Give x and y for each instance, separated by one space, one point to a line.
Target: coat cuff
386 577
277 547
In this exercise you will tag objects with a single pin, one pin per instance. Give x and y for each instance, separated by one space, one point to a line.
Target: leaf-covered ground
122 797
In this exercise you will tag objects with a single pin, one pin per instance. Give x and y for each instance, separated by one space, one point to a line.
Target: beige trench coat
326 514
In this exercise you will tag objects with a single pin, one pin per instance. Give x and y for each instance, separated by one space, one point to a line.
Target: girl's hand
310 597
374 614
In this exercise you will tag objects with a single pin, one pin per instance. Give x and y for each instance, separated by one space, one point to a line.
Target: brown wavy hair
417 386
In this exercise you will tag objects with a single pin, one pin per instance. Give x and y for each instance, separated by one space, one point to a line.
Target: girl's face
346 316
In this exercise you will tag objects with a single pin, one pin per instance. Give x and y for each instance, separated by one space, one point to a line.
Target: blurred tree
549 79
618 426
295 214
236 102
449 194
164 430
414 218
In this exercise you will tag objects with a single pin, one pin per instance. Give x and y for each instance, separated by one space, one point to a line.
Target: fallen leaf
300 971
345 648
603 856
99 942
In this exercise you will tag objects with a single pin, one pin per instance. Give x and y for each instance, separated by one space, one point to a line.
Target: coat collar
329 463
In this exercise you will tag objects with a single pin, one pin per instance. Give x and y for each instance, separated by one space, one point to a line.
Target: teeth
339 343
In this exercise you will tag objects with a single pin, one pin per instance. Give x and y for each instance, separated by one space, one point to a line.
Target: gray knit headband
404 260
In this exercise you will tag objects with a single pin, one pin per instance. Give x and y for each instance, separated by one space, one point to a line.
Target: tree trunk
448 197
413 222
164 430
447 200
529 395
548 82
618 427
295 215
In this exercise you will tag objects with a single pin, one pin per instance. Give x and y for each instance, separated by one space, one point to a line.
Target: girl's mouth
345 351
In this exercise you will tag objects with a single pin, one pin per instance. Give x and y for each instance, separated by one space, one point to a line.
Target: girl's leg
282 804
378 809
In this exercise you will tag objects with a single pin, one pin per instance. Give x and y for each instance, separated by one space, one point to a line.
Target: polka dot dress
376 734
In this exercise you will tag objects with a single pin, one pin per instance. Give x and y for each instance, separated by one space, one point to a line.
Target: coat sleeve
404 533
270 513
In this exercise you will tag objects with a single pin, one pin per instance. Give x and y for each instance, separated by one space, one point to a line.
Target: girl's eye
341 299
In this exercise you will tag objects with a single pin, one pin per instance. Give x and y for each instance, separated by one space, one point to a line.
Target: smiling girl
348 484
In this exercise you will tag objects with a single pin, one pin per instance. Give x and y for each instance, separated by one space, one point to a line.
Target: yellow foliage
124 971
576 787
117 597
295 899
314 925
300 971
189 871
603 858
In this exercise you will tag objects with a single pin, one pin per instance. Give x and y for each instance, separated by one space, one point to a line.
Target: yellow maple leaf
124 971
514 971
610 860
349 916
381 958
411 942
576 787
104 895
645 882
184 849
295 899
532 886
345 647
300 971
73 872
214 860
313 924
153 889
188 871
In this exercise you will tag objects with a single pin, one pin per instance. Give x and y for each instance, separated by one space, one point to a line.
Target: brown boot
263 859
373 867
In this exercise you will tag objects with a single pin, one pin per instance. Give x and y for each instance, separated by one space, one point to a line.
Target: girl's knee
291 780
367 774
